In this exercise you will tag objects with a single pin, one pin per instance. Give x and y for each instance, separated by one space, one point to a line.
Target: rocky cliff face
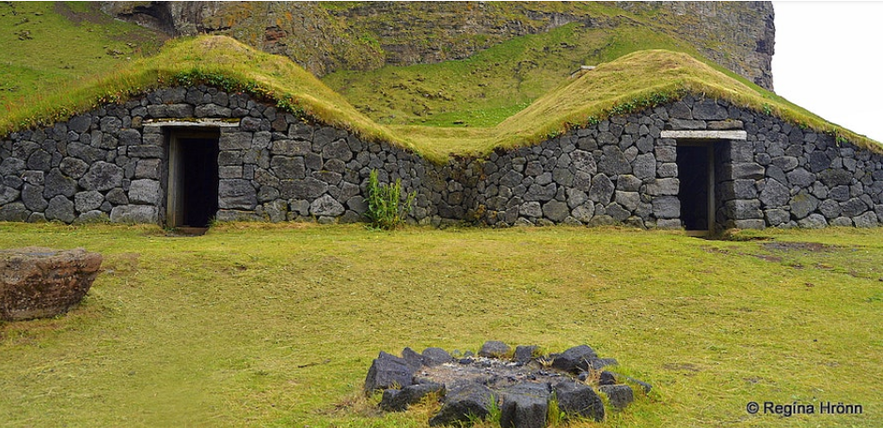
323 37
740 36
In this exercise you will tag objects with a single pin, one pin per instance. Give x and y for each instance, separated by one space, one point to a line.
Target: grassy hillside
488 87
482 90
47 45
360 36
217 331
633 82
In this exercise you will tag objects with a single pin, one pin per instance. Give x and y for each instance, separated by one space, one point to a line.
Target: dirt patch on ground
714 250
811 247
143 41
767 257
682 367
93 16
121 264
798 246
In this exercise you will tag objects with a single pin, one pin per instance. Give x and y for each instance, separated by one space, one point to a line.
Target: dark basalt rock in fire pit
40 282
575 358
494 349
466 401
435 356
525 405
397 400
523 354
619 396
521 388
389 371
579 399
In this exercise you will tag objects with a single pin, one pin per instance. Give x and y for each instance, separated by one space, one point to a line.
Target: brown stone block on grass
40 282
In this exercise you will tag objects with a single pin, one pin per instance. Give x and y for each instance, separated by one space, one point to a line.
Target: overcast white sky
828 60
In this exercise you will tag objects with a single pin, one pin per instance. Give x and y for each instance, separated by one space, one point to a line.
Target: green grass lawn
260 325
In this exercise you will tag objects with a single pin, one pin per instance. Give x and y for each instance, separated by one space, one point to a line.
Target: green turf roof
630 83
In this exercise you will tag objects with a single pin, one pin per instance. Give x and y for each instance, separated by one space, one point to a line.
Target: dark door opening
193 180
696 193
200 181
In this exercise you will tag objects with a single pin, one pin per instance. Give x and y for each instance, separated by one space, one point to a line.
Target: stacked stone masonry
112 163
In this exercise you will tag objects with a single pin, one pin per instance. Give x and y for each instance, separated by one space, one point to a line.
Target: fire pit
520 383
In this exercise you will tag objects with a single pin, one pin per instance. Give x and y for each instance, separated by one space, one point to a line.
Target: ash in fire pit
521 383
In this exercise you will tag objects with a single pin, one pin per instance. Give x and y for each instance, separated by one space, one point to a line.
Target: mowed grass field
263 325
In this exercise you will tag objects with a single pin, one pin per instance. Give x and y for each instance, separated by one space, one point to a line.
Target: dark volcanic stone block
436 356
469 401
525 406
397 400
412 358
58 184
102 176
523 354
619 396
607 378
599 363
574 359
60 208
493 348
388 371
579 399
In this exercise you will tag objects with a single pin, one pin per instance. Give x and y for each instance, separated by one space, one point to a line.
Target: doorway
695 162
193 178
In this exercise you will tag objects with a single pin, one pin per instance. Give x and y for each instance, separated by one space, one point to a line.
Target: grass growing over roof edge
631 83
216 60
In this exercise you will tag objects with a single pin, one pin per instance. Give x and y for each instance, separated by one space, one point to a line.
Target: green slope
630 83
502 75
49 44
486 88
492 84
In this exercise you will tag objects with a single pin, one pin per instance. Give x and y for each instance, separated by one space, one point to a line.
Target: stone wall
112 163
787 176
623 171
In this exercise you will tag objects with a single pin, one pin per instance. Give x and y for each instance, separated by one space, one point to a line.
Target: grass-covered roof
630 83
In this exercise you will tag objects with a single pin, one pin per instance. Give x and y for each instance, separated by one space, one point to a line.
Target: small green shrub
385 208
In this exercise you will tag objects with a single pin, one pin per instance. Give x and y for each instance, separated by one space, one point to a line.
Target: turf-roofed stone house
183 156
